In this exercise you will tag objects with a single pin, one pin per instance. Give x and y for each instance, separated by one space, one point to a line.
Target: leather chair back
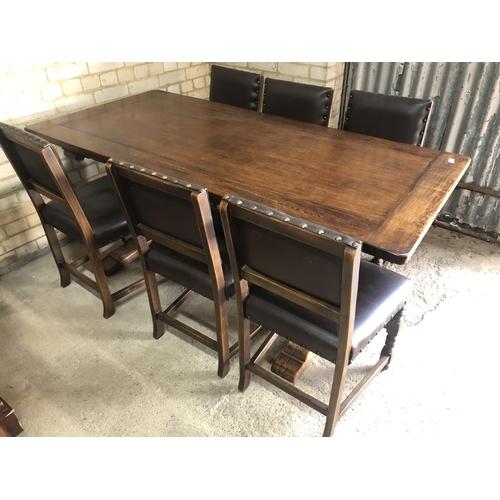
28 156
237 88
299 101
314 267
400 119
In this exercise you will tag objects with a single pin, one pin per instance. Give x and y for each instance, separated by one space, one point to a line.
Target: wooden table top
383 193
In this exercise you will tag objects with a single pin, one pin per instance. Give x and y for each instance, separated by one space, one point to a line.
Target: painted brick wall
324 74
34 91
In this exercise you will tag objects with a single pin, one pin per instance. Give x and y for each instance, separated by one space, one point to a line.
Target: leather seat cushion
381 293
101 206
188 272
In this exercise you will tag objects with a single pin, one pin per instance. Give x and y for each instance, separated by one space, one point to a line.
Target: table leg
120 258
292 361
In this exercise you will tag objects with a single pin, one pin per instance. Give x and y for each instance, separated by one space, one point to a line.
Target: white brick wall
31 92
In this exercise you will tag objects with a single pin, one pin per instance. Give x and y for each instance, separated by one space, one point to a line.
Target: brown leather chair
400 119
176 217
299 101
90 214
237 88
307 284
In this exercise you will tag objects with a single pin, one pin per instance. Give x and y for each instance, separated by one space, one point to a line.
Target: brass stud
131 166
338 238
188 185
269 213
303 226
164 177
143 169
320 231
355 244
227 197
239 202
121 163
154 173
287 219
254 207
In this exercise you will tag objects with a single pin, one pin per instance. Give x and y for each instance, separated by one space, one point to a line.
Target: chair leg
101 281
222 327
55 247
154 303
392 331
244 351
332 415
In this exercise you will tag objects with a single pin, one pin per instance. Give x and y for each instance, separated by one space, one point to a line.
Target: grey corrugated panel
465 120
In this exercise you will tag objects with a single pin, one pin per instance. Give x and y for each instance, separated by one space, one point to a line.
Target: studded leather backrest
235 87
164 207
299 101
23 151
400 119
289 251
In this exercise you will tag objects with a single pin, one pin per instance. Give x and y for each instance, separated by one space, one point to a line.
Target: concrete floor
68 372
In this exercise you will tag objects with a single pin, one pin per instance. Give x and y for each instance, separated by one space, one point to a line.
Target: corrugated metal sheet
465 120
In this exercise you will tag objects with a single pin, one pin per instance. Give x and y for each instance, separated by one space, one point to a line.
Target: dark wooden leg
392 332
55 247
8 421
222 327
154 303
332 415
244 352
101 282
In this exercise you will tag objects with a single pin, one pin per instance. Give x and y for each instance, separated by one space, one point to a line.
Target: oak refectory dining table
383 193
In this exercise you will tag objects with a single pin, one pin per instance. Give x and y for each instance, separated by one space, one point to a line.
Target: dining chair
176 217
307 284
396 118
299 101
235 87
89 214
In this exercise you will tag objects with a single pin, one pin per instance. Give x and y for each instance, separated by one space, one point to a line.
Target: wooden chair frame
208 254
328 241
67 197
